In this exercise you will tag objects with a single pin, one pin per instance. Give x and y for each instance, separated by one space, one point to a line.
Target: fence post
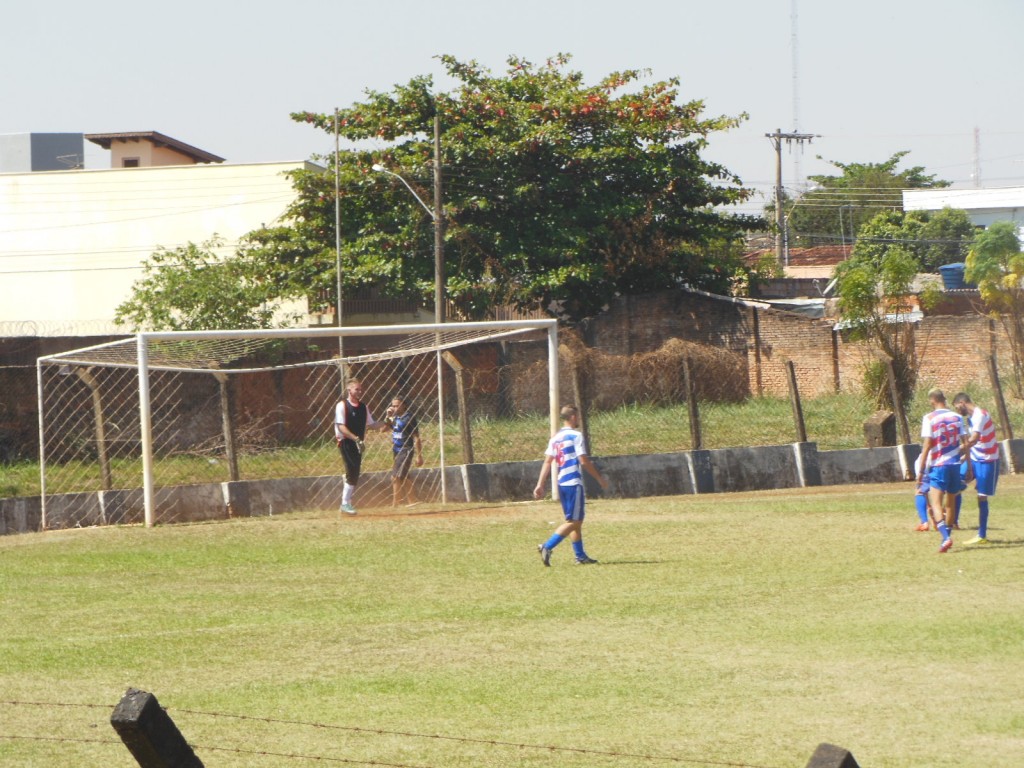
150 734
696 439
465 431
897 403
227 425
794 396
997 388
99 426
579 394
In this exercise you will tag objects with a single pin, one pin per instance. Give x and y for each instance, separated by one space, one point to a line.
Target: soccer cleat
348 509
545 554
922 527
978 540
585 561
947 544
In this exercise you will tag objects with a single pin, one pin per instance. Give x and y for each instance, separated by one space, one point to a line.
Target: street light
381 169
437 218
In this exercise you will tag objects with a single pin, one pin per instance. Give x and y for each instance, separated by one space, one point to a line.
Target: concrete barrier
20 515
724 470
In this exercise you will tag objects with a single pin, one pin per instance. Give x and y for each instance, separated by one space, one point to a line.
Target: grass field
731 629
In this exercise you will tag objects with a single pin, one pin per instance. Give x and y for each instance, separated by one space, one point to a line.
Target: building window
129 162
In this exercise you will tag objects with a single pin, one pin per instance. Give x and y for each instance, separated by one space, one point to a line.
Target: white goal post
173 426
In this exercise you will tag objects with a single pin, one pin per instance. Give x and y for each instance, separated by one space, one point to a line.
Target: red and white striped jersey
986 449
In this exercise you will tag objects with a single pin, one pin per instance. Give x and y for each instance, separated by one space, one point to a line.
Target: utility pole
439 292
777 138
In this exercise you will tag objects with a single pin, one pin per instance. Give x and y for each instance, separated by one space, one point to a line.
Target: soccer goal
182 426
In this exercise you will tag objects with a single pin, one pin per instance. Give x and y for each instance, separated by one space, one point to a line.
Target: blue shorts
946 478
573 501
986 475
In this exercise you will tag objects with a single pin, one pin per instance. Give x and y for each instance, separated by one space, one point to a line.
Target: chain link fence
263 413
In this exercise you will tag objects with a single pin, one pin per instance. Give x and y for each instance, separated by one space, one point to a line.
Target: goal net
183 426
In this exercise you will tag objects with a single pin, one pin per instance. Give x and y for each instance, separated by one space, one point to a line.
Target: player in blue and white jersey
944 441
984 455
568 450
405 441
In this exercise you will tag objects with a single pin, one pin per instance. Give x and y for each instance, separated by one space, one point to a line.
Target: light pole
437 216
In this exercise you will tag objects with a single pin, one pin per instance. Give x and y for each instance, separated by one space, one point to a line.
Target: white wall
983 206
72 243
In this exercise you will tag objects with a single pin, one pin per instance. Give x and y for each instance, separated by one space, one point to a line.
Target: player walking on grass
351 420
984 458
568 449
944 440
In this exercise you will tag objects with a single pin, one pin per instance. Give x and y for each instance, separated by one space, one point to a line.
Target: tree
874 299
192 288
995 263
555 191
840 205
934 239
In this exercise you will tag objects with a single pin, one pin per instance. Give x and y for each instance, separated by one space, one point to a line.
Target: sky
935 77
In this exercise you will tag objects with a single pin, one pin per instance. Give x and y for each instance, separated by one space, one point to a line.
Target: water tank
953 276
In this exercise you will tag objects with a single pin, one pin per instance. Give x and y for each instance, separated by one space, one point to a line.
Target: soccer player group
352 418
957 446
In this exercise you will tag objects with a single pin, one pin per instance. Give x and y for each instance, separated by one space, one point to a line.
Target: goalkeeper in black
352 418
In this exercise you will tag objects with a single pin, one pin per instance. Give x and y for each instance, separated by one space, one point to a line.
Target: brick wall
952 348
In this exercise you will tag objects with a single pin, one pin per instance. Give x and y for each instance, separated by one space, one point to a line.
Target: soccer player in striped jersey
921 495
944 441
568 449
984 458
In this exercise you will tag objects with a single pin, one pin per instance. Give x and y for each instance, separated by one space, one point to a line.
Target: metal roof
157 139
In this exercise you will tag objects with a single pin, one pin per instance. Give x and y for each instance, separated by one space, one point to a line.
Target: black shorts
353 460
403 460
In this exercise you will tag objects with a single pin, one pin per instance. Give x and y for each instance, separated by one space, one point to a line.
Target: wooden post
696 439
894 393
997 389
579 396
758 374
794 396
227 424
150 734
465 431
99 427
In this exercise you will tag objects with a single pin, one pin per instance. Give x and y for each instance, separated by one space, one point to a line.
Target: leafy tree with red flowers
557 194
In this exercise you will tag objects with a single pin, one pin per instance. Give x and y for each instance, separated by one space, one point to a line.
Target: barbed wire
371 731
470 740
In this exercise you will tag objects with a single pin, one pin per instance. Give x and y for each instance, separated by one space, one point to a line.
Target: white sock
346 494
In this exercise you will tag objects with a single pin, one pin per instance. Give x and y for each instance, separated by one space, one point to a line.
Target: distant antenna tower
794 45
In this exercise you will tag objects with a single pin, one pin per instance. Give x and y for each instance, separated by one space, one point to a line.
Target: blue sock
922 507
554 541
577 548
943 530
956 513
982 517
